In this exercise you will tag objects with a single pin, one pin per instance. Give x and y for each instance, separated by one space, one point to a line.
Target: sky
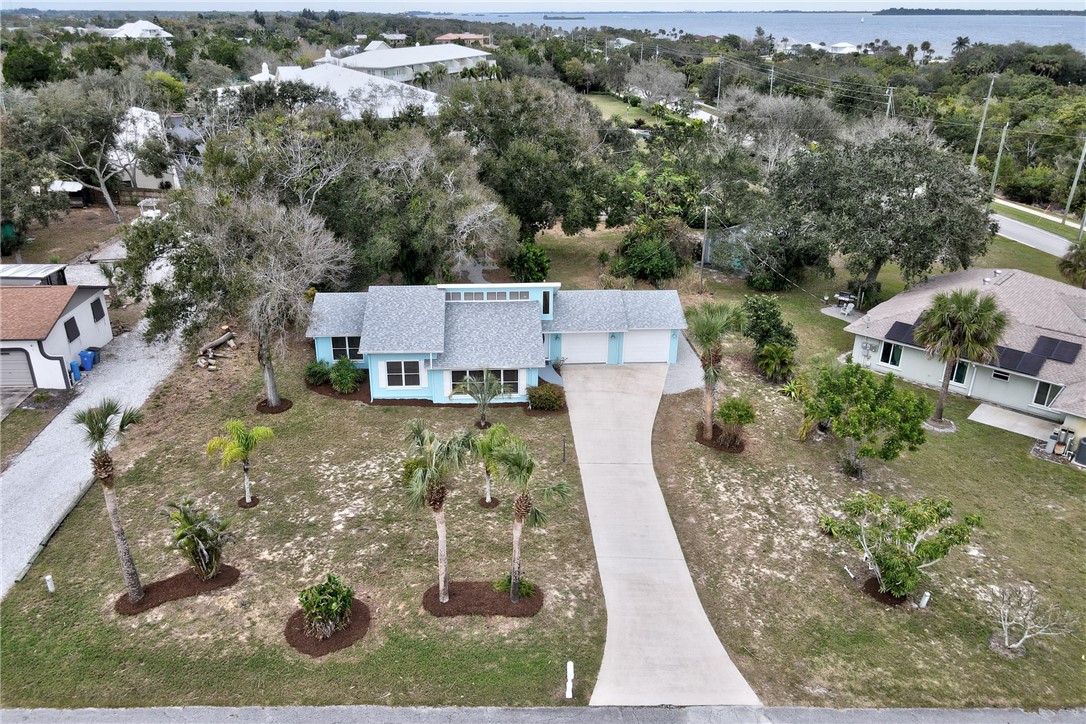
507 6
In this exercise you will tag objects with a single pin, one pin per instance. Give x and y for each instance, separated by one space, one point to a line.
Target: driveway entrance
660 646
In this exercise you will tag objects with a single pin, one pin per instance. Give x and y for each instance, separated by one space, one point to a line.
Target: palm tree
104 425
1073 263
429 485
776 361
517 467
424 78
707 326
960 44
910 52
483 390
238 444
958 325
485 448
926 49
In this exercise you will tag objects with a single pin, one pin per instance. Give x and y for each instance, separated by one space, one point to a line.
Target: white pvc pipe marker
49 584
569 679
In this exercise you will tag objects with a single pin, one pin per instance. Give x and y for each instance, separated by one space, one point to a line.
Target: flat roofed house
403 64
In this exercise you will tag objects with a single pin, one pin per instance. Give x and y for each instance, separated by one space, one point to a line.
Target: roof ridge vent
1002 276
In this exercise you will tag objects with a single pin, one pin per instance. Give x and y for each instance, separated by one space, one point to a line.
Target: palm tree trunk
271 390
442 558
514 571
486 475
707 421
947 374
128 566
245 472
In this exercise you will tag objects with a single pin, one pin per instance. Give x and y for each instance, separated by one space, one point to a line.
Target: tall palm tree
424 78
103 425
237 445
707 327
958 325
927 50
960 43
485 448
517 467
429 485
1073 263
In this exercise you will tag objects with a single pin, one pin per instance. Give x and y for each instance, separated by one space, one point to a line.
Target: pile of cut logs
206 358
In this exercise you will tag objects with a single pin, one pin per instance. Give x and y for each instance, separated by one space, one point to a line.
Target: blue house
420 342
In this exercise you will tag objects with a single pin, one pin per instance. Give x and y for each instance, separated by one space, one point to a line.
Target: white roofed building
403 64
140 30
360 93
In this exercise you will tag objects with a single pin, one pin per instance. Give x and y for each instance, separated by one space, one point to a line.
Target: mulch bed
482 425
242 504
354 632
264 408
943 426
716 445
478 598
362 394
174 588
871 588
494 502
544 413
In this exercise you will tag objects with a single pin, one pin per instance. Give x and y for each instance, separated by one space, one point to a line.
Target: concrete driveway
1032 236
660 646
49 477
11 398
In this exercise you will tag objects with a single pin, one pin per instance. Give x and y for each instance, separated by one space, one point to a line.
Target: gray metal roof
337 315
654 310
28 271
404 319
494 335
587 311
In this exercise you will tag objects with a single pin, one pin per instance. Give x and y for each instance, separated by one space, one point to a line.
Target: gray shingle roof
404 319
337 315
654 310
494 335
587 311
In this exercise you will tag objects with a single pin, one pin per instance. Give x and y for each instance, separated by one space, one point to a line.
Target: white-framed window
403 373
495 296
1046 392
474 296
452 296
346 347
518 296
959 372
1001 376
891 354
510 379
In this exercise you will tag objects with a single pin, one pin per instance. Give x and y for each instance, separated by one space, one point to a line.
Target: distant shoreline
888 11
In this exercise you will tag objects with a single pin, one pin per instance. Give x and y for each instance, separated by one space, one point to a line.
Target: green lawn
1053 227
611 106
331 501
19 429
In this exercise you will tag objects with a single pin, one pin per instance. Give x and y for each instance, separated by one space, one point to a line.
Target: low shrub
733 414
410 465
200 536
603 258
546 397
317 373
776 361
527 588
345 377
530 263
326 606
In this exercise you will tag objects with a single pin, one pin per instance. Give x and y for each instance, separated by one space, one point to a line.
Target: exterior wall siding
49 374
673 352
431 379
323 347
614 348
91 333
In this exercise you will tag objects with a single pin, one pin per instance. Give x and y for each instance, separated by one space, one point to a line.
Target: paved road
1032 236
565 715
660 646
48 478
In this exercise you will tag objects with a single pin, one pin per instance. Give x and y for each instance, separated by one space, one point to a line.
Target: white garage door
15 369
585 347
646 345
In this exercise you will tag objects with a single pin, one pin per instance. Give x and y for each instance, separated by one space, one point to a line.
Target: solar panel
901 332
1044 346
1010 358
1030 365
1066 352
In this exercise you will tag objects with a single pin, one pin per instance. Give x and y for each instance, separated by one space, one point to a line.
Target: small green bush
530 263
317 373
527 588
326 606
733 414
765 325
345 377
603 258
546 397
410 465
310 294
200 536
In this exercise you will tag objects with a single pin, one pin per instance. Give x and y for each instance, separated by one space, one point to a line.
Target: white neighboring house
43 329
139 30
620 43
395 39
359 92
375 45
843 49
403 64
1041 370
138 126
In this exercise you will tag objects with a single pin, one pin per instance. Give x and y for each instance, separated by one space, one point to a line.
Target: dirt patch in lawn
478 598
76 233
715 443
494 503
870 588
174 588
349 635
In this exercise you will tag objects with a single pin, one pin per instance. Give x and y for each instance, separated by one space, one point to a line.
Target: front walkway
660 646
49 477
1011 421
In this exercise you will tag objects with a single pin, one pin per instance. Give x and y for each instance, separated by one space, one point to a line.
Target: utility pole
889 100
772 78
999 157
719 72
1081 228
1074 185
641 57
704 248
983 118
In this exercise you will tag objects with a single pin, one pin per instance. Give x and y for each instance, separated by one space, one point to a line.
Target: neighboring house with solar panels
1041 369
420 342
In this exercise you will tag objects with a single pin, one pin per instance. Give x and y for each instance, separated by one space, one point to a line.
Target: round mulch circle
252 504
942 426
871 588
362 394
478 598
494 502
174 588
284 405
482 425
716 445
303 643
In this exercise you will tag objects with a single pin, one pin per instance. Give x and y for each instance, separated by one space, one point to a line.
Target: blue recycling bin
86 360
75 370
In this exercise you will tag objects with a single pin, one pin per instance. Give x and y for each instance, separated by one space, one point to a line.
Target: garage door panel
15 369
585 348
646 345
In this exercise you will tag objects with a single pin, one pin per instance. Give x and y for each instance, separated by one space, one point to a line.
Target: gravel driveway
48 478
